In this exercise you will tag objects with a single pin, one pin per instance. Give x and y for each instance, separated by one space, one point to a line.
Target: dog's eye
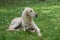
31 11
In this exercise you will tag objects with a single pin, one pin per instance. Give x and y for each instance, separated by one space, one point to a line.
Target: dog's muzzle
36 15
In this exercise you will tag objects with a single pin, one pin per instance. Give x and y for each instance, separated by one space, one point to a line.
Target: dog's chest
27 24
27 21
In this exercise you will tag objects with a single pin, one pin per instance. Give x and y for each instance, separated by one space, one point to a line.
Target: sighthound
25 21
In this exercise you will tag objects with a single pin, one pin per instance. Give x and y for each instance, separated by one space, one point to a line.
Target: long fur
25 21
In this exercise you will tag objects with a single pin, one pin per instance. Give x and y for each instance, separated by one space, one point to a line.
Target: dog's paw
17 30
8 29
24 29
32 30
40 35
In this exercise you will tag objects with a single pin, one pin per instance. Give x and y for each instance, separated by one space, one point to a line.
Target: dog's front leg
36 28
23 25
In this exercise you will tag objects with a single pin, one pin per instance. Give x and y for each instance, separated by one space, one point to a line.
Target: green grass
48 20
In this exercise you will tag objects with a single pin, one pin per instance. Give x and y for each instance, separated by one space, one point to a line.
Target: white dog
25 21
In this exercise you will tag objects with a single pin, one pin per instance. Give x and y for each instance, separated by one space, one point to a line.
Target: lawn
48 19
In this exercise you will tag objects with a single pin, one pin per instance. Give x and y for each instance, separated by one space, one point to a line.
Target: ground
48 19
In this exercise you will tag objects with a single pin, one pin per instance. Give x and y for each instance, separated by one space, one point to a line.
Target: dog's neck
27 18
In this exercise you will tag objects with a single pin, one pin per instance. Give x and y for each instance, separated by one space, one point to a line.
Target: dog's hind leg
15 23
13 26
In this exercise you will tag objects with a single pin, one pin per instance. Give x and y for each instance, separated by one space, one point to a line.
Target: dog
25 21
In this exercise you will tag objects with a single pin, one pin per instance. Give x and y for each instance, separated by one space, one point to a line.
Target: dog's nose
36 15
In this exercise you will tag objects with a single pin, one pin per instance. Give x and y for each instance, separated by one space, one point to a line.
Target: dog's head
30 12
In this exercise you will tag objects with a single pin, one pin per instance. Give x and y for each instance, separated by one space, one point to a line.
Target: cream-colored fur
27 21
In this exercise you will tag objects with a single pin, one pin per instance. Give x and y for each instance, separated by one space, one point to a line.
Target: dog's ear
27 14
30 10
